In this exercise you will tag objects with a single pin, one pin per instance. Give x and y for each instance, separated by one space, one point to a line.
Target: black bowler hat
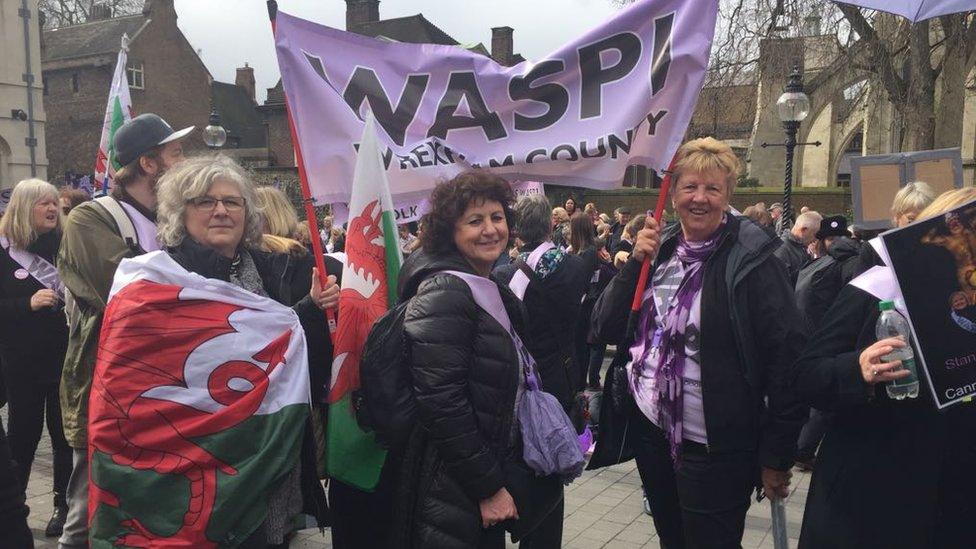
142 133
835 225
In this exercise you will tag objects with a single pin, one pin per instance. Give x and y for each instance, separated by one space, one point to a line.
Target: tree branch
881 58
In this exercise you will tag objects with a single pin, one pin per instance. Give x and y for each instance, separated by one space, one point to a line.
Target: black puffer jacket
465 374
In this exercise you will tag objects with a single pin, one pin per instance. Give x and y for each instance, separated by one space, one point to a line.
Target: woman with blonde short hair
709 357
33 332
910 201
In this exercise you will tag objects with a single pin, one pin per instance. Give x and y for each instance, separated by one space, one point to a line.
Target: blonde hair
914 196
282 245
560 214
947 201
192 179
704 155
280 218
17 223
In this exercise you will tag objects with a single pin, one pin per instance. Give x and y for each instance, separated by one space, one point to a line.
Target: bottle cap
886 306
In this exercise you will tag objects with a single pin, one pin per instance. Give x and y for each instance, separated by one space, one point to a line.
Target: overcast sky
229 33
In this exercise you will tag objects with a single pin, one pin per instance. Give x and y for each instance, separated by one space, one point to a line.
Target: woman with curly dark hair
466 374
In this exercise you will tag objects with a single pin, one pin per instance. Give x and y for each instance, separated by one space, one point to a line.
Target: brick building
166 76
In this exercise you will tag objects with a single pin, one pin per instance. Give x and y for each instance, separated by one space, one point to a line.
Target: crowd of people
750 354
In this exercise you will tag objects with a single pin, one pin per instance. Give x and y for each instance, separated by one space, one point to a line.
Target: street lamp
793 107
214 135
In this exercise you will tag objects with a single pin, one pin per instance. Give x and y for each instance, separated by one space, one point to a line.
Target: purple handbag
550 443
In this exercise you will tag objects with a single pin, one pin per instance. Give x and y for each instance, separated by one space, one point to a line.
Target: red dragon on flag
173 396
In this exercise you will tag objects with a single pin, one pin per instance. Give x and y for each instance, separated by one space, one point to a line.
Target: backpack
384 402
127 231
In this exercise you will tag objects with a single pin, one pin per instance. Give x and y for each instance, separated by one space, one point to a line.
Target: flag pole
635 305
313 222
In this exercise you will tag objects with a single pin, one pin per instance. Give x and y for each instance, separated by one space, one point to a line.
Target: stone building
21 156
850 115
166 76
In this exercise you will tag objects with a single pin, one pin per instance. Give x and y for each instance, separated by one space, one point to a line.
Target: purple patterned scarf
669 377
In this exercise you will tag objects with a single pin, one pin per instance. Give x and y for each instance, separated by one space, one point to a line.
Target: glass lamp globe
793 106
214 135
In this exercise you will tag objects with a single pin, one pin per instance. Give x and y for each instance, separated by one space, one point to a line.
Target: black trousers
549 534
360 519
13 511
703 504
28 404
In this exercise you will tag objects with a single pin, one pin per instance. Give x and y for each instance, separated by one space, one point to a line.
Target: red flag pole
313 222
646 265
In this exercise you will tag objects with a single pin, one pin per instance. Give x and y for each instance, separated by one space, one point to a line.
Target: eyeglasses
209 204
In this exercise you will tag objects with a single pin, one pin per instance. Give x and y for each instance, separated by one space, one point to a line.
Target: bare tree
923 69
63 13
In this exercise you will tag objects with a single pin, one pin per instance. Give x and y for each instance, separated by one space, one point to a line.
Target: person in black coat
820 281
793 253
451 485
738 332
893 474
552 298
556 287
34 332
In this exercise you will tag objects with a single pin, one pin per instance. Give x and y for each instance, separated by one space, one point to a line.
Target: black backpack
384 401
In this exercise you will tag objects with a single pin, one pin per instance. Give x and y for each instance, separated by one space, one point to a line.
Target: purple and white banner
621 94
407 210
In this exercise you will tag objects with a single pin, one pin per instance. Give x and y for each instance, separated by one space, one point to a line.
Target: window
75 85
136 77
44 84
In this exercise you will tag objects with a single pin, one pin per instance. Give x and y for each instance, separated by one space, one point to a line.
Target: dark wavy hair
450 199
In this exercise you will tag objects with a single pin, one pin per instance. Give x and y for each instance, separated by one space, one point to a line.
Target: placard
934 262
876 179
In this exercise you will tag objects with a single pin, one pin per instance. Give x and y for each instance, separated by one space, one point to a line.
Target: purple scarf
671 365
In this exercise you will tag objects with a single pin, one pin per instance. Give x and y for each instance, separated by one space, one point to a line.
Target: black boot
56 525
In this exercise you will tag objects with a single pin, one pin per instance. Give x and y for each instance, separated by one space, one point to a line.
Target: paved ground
603 509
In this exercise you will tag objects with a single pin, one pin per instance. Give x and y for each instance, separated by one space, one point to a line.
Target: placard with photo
934 262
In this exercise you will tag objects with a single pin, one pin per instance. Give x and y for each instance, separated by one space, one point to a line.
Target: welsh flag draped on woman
198 406
369 284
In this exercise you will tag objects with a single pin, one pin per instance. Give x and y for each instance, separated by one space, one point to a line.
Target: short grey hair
533 218
811 220
191 179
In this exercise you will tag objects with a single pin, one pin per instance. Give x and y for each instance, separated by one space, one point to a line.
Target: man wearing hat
98 235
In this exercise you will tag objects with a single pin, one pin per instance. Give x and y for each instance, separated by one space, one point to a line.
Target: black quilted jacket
465 373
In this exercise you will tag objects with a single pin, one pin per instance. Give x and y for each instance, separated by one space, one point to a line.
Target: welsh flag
117 112
198 406
369 283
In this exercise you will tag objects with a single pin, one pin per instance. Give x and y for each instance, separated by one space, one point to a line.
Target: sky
228 33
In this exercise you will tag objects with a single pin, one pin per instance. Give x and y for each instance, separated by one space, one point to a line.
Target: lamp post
793 107
214 135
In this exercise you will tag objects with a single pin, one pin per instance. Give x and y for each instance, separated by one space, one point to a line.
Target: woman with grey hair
553 285
210 224
33 332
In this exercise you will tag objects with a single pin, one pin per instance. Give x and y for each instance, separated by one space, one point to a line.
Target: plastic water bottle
892 324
